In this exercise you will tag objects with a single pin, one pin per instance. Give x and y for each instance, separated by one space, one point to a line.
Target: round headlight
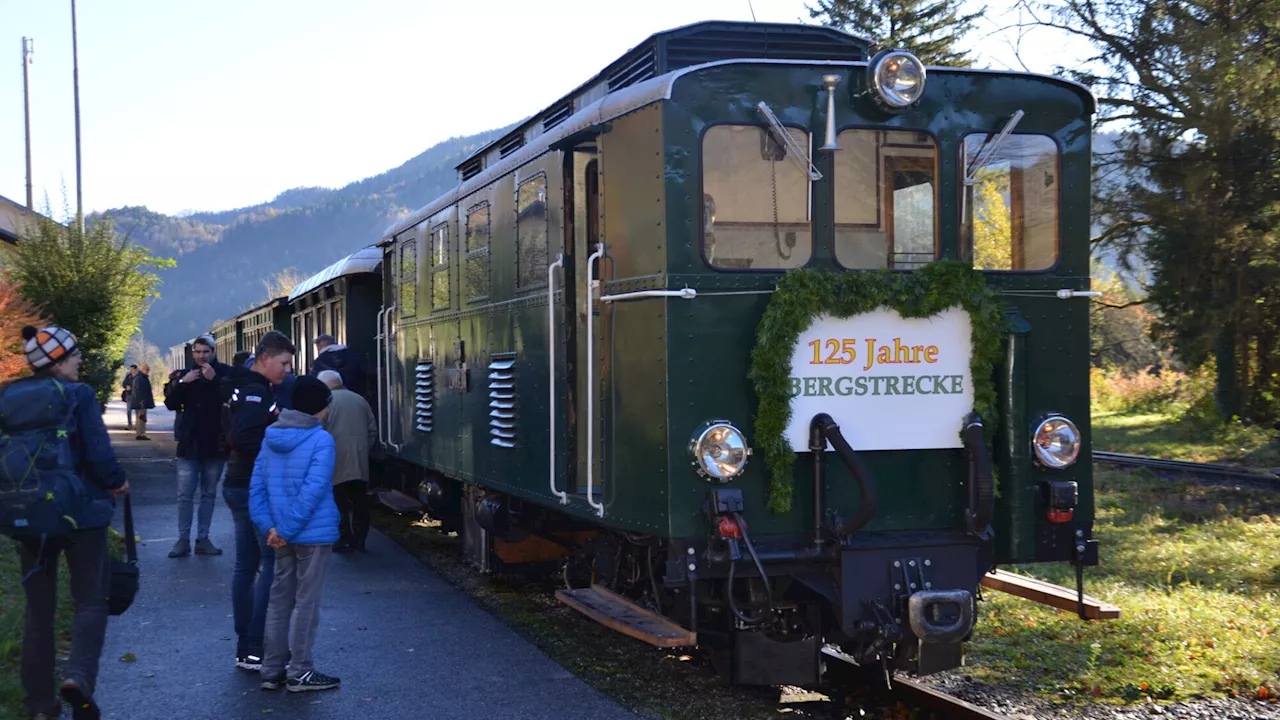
1056 442
719 451
898 77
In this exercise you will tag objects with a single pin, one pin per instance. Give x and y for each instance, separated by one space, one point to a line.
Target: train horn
830 82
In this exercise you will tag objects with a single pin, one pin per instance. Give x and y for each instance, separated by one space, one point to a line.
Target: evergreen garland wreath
803 295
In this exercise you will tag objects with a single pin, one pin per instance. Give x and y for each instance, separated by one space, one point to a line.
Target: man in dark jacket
201 450
251 407
141 399
330 355
128 388
54 355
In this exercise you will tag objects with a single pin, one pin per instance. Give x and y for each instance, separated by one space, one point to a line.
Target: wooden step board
618 613
399 502
1049 594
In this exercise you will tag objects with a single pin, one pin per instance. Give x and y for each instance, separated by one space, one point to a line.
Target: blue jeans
128 414
251 582
203 474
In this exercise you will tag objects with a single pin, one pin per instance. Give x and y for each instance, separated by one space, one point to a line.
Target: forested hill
223 258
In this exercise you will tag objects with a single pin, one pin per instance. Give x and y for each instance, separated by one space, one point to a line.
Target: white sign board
891 383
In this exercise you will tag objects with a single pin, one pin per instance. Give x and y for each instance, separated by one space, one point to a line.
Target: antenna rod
75 77
28 48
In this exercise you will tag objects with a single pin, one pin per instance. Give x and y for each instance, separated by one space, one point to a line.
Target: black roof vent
472 169
635 67
511 145
710 42
557 114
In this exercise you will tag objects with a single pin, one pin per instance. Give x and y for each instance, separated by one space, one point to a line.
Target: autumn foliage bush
15 312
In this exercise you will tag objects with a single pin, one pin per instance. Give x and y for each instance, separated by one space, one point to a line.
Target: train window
477 273
531 231
336 321
886 199
440 267
755 199
1011 206
408 278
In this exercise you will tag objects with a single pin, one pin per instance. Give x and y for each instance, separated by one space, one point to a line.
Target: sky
212 106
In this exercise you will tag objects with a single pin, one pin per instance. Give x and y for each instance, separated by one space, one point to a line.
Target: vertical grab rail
551 370
592 284
386 348
382 405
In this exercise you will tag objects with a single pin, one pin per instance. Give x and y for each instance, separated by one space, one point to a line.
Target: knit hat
48 346
310 395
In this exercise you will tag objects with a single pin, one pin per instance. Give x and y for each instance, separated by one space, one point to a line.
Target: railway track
932 704
1207 471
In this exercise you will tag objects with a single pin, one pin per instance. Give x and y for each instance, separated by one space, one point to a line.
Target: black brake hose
764 577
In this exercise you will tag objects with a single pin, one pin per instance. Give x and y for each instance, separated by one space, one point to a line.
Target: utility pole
28 47
75 78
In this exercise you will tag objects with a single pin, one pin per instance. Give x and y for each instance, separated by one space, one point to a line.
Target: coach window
409 277
1011 202
531 231
477 273
440 267
755 198
886 199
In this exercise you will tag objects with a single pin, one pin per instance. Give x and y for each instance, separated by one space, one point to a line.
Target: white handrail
382 405
386 347
686 293
592 284
551 370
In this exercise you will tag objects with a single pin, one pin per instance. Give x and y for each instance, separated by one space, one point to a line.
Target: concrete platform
405 643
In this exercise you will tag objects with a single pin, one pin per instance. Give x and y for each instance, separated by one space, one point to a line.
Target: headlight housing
719 451
1056 442
898 78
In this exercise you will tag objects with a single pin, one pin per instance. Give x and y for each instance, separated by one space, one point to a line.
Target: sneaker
205 547
182 548
273 683
142 437
249 661
312 680
82 705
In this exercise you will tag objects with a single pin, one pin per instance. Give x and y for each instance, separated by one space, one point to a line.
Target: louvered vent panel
424 397
557 115
471 169
511 145
502 400
636 69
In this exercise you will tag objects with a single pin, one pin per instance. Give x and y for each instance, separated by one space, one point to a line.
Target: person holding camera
202 452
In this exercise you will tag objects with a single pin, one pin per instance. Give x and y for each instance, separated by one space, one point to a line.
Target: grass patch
1196 572
1169 435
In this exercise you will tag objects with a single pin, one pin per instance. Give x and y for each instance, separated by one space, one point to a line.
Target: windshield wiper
793 149
989 149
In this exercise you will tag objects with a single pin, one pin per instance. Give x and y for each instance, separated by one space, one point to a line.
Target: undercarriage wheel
577 570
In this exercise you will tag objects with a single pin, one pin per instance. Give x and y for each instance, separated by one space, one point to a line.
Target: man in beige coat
354 430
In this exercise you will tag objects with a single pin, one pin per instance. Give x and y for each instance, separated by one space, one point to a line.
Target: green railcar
567 342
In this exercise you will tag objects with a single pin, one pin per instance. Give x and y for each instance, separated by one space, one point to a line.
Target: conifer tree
930 29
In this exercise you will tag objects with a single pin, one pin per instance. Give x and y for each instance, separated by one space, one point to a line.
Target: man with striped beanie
49 346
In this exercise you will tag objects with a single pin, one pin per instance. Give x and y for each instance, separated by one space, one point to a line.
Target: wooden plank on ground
618 613
399 502
1049 594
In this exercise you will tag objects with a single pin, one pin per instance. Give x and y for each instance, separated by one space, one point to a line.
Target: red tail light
1059 516
729 528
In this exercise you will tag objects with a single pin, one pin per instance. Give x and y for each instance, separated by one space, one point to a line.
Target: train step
618 613
399 502
1049 594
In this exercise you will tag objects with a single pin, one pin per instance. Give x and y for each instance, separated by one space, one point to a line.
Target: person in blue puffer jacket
291 501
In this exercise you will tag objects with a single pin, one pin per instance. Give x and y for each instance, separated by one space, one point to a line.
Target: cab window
755 199
1010 202
886 199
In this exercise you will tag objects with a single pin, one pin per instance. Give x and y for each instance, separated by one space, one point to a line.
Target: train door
583 262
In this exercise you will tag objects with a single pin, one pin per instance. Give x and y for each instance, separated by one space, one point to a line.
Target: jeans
353 504
128 415
251 580
205 475
90 567
293 615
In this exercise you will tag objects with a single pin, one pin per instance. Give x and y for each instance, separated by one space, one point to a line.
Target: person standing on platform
54 405
251 409
354 429
141 399
291 496
128 388
202 451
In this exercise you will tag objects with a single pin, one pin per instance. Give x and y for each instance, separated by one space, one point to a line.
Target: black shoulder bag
124 573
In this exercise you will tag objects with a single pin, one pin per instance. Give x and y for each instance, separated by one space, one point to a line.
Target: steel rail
915 694
1190 468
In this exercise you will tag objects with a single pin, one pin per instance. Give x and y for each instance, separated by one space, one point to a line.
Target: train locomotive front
796 354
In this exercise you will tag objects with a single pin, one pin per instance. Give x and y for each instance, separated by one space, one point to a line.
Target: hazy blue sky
213 106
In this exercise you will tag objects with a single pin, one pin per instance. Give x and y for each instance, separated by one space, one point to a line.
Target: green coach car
777 346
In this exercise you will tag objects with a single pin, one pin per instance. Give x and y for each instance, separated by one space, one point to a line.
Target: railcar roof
364 260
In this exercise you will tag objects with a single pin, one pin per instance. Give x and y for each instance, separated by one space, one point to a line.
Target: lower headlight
719 451
1056 442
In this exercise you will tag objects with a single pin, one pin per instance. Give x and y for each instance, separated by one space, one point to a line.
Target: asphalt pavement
404 642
